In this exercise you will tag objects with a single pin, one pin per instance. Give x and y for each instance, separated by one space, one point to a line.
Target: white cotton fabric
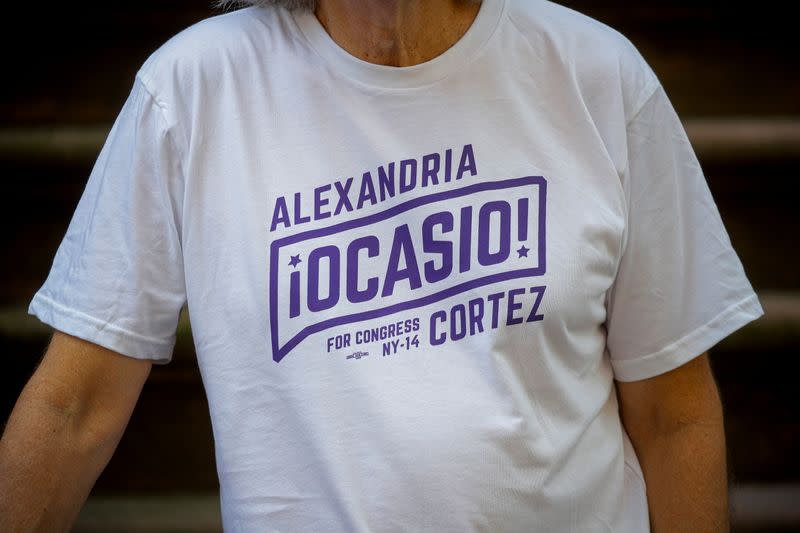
567 239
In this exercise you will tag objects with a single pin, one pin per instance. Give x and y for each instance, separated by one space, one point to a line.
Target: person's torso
397 292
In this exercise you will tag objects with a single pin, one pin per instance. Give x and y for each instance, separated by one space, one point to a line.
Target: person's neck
396 33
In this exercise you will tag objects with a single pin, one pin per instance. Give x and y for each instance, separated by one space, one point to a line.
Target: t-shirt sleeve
680 287
117 277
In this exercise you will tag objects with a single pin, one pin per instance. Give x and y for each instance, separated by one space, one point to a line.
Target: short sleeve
680 286
117 277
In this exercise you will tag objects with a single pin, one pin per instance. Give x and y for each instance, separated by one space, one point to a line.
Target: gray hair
288 4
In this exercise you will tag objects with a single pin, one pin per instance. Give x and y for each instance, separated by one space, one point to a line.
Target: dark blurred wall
732 74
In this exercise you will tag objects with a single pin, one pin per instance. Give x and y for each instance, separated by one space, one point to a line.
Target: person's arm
675 423
62 432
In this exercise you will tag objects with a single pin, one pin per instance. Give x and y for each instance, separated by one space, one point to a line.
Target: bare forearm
49 460
685 474
45 471
63 431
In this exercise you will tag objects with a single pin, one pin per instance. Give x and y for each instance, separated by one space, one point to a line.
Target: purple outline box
279 352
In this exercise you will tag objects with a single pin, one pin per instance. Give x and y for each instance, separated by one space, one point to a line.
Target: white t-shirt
410 289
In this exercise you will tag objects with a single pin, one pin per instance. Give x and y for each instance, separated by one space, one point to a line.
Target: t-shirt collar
467 47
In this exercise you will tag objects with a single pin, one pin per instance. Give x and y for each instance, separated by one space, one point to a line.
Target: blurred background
733 76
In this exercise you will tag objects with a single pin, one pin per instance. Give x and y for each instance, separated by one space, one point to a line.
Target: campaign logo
408 256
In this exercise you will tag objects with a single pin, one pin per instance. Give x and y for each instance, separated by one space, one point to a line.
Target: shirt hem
89 328
690 345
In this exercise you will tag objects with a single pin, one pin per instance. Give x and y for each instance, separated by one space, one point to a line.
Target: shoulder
597 54
571 33
215 48
543 13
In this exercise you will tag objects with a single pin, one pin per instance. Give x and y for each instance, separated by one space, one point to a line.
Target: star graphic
295 260
523 252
